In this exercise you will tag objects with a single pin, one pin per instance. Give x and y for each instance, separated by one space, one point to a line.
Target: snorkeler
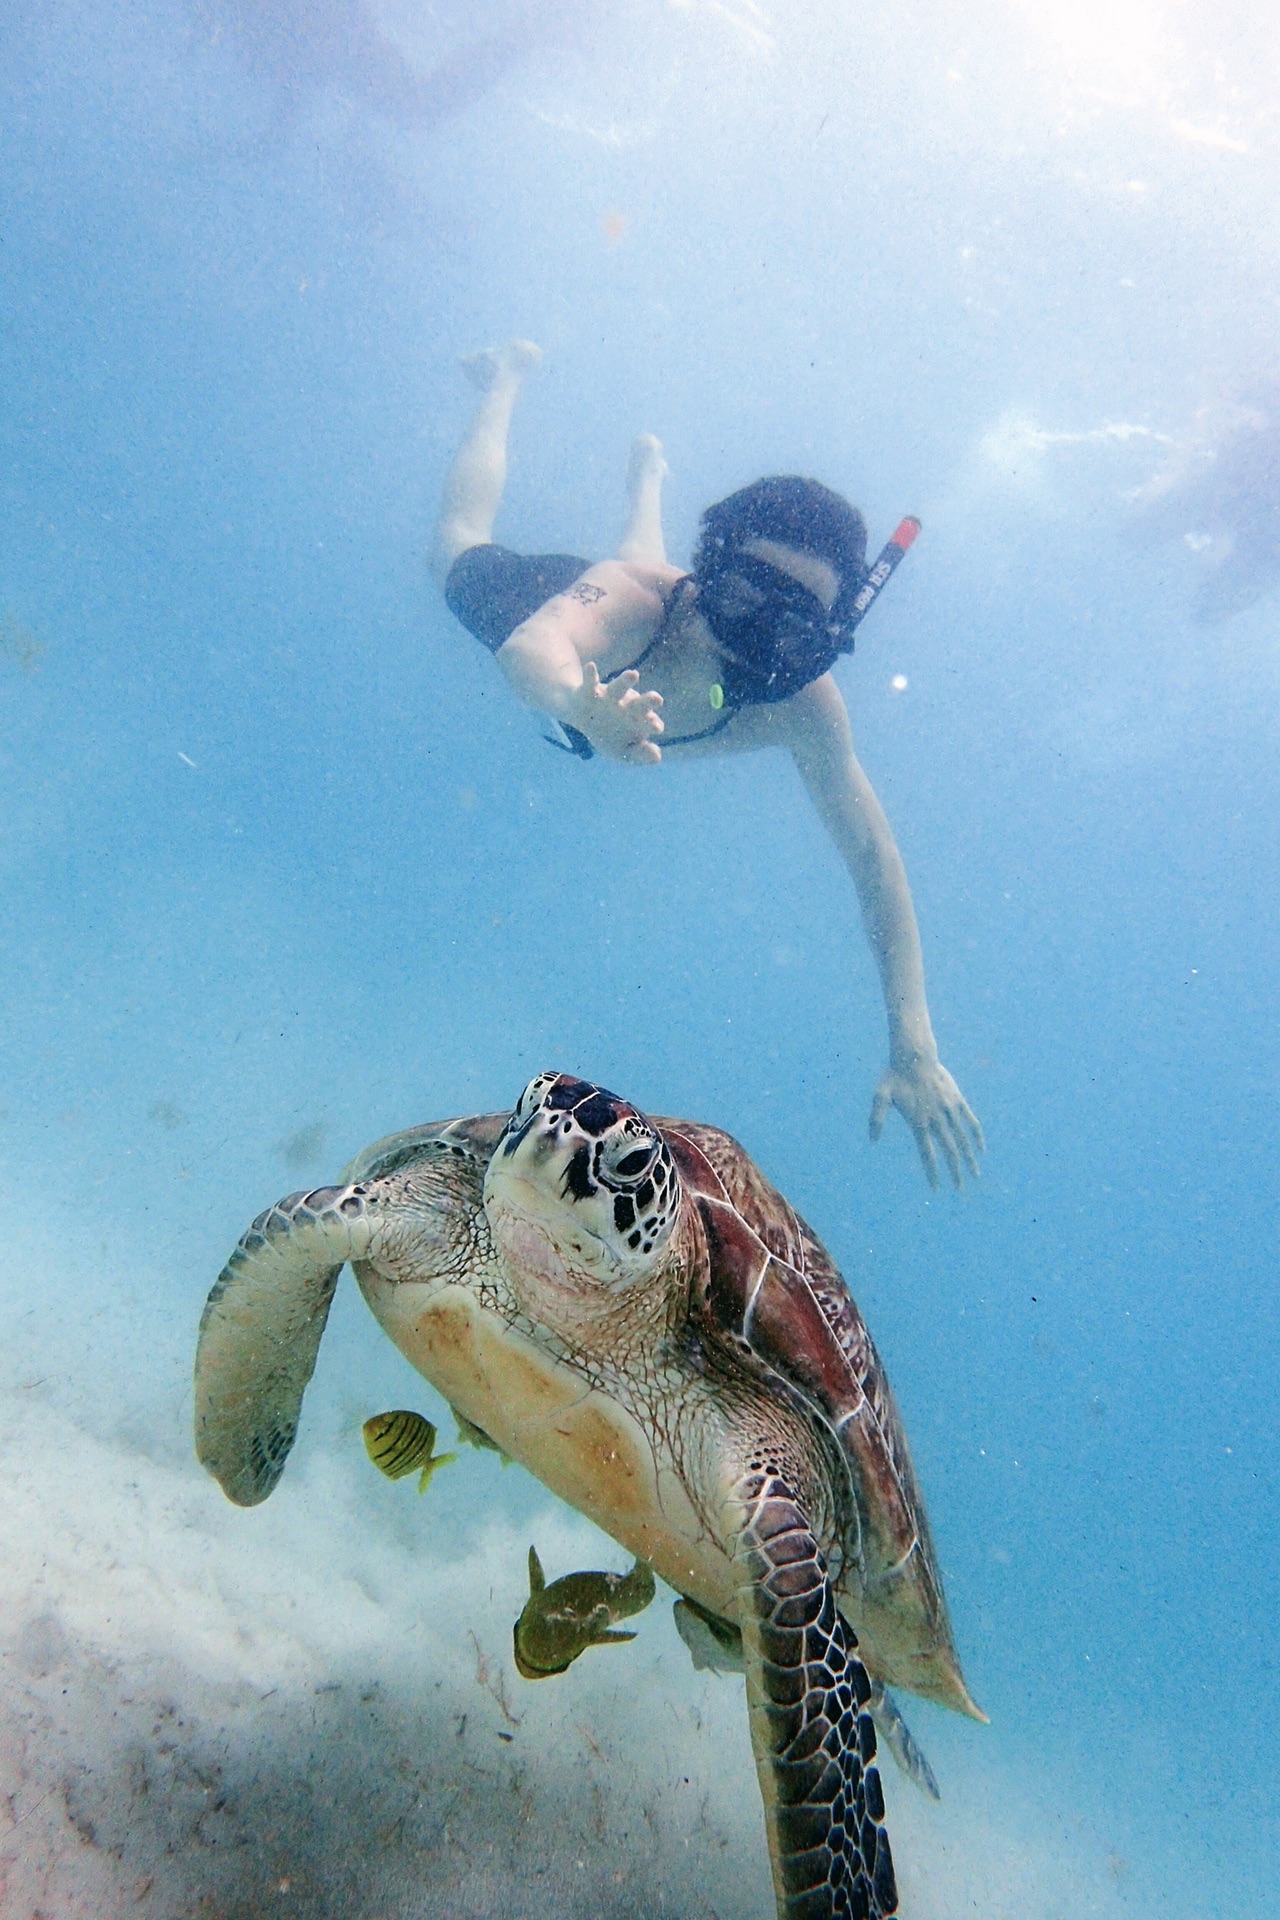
736 655
1220 492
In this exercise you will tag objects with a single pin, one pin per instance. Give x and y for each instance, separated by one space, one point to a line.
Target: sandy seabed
311 1710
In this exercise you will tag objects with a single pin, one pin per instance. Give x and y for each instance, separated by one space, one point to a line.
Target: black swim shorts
492 590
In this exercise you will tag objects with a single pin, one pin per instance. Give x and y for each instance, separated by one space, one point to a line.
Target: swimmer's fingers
645 753
644 708
626 691
927 1154
940 1129
973 1124
902 1091
962 1124
617 718
968 1131
941 1120
647 702
947 1124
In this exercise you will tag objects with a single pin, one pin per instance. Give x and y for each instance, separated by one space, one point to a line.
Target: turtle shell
770 1288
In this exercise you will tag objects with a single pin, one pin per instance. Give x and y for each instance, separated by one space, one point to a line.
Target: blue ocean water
287 867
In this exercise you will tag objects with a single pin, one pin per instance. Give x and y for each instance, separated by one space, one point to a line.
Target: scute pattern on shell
774 1291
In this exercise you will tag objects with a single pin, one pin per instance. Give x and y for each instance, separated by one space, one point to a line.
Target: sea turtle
630 1309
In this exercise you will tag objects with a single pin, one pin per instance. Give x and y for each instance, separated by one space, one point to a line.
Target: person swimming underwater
736 655
1219 491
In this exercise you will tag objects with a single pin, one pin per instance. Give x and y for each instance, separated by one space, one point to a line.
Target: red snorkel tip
905 532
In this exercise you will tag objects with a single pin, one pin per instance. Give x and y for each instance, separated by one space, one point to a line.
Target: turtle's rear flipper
261 1331
808 1695
900 1740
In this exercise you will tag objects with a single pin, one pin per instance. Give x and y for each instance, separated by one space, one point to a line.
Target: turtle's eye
631 1164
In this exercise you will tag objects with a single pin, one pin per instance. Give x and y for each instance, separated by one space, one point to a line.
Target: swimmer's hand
937 1113
620 722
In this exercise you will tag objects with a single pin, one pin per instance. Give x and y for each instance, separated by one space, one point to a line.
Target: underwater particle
399 1441
170 1118
19 644
899 683
615 226
304 1146
561 1621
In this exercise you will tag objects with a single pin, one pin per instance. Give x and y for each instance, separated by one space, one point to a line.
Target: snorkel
887 562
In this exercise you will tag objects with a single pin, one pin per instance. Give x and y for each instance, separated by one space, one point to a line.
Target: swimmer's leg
642 536
475 480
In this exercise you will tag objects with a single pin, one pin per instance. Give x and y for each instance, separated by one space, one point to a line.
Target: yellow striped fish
399 1441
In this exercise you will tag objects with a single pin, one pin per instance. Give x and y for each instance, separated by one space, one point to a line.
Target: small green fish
473 1436
562 1620
398 1442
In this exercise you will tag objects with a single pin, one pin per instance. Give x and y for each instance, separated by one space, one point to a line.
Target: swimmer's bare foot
646 464
492 364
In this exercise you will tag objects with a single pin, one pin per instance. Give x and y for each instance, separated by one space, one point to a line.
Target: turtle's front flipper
260 1334
808 1695
900 1740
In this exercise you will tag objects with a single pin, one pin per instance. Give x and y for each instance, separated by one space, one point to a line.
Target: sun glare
1115 48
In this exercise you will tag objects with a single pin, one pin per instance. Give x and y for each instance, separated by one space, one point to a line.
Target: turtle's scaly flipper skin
808 1695
715 1646
261 1331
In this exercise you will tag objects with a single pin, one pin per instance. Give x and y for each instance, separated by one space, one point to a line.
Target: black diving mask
775 634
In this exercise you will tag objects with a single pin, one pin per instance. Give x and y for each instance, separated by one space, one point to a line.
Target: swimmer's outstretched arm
816 729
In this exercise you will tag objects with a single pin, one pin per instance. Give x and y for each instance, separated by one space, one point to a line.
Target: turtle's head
581 1191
